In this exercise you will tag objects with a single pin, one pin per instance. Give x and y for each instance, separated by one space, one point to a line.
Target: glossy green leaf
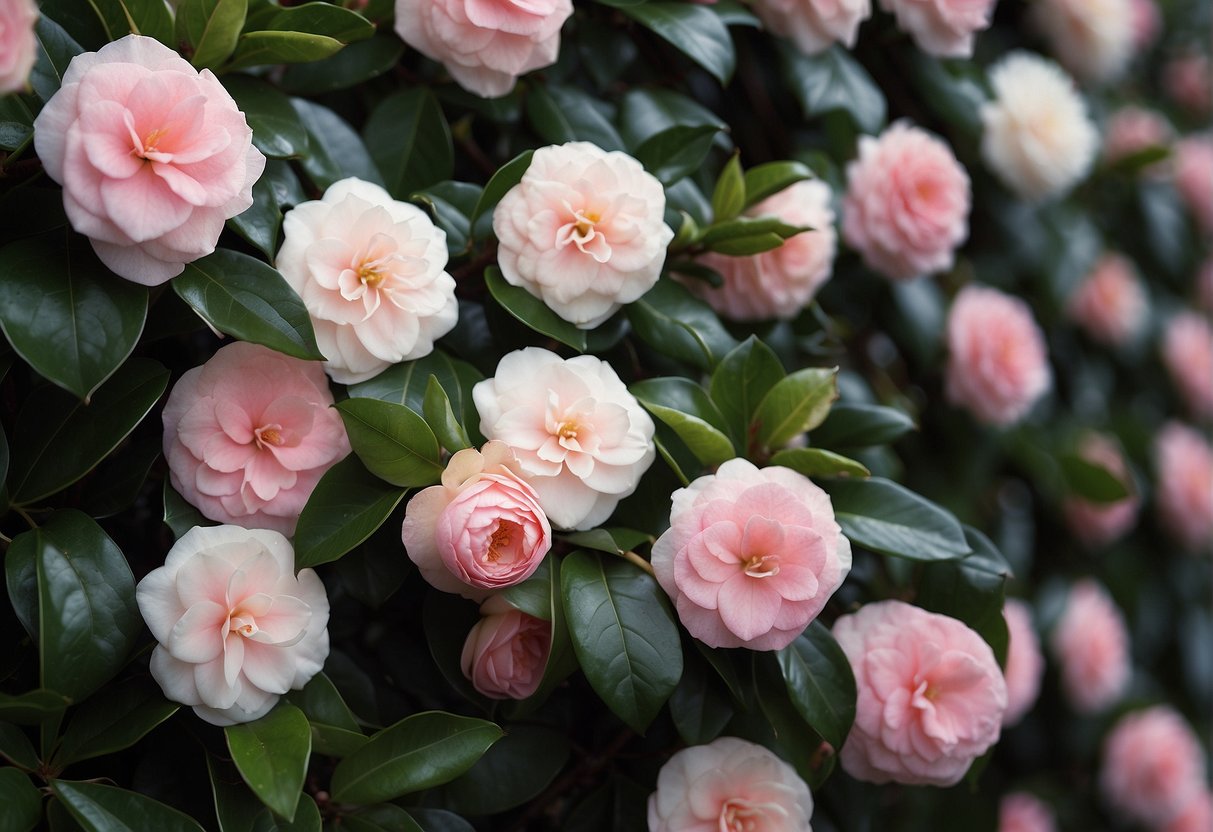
135 17
515 770
889 518
277 130
276 190
971 590
797 403
818 462
334 729
531 311
335 151
356 64
834 80
699 710
272 755
820 682
407 382
677 152
16 747
741 381
179 515
116 718
21 802
410 141
680 325
769 179
101 808
728 197
694 30
33 707
685 407
506 177
861 425
451 204
1091 481
386 817
317 18
239 810
393 441
56 48
118 481
645 112
208 29
346 507
440 417
269 47
562 114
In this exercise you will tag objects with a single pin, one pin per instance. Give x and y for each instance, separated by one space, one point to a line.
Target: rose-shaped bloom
1195 816
751 555
942 27
235 626
1094 39
729 785
1091 645
778 283
1037 136
1025 665
583 231
1131 130
997 363
370 271
248 435
907 203
1098 524
814 25
1188 79
1023 812
482 529
1187 352
1194 178
507 651
1184 464
1152 765
582 440
1110 304
484 44
1147 24
931 695
18 46
153 156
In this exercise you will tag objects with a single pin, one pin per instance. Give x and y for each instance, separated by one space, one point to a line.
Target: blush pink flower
931 695
1195 816
1188 80
482 529
1131 130
907 203
1187 352
1153 766
1023 812
248 435
997 363
1094 39
778 283
370 270
153 156
814 25
1091 645
1098 524
584 231
235 626
729 785
484 44
1194 179
1184 476
1025 665
751 555
1110 304
507 651
582 440
942 27
18 46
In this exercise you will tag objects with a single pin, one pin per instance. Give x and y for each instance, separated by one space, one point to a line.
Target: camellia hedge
509 415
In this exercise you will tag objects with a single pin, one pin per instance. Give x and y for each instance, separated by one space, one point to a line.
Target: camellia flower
1094 39
18 46
1131 130
248 435
584 231
1194 178
931 695
1110 304
1098 524
235 626
1188 80
942 27
582 440
997 363
485 46
1195 816
1184 464
153 156
778 283
1025 665
907 203
370 271
507 651
814 25
1024 812
729 785
1187 352
1037 136
482 529
751 555
1152 765
1092 648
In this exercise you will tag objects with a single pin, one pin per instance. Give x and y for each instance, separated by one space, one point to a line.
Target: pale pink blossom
1098 524
248 435
1147 24
778 283
814 25
1110 304
1184 477
18 46
506 652
997 363
1194 178
1195 816
482 529
1094 39
235 626
1188 79
1153 765
906 208
153 156
931 695
1187 352
1024 812
484 44
752 555
1091 645
1025 665
584 231
942 27
729 785
370 270
582 440
1130 130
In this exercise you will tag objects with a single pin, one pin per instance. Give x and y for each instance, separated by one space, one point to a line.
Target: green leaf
820 682
885 517
334 729
677 152
138 17
119 479
771 178
407 382
861 425
506 177
728 197
56 48
356 64
451 203
179 515
741 381
515 770
335 151
386 817
440 417
409 139
116 718
346 507
33 707
419 752
797 403
623 634
315 18
1091 481
21 801
700 712
107 809
208 29
272 755
833 80
566 114
670 319
393 441
277 130
531 311
268 47
818 462
16 747
239 810
13 134
685 407
277 188
971 590
646 112
65 315
694 30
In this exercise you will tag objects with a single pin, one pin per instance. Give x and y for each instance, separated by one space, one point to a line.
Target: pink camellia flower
482 529
942 27
370 271
18 46
997 363
235 626
1187 352
1025 665
507 651
1147 24
1194 178
1188 80
485 45
1195 816
248 435
751 555
582 440
1184 464
1131 130
153 156
1153 765
931 695
1023 812
814 25
729 785
1094 39
1098 524
1092 648
907 203
584 231
1110 304
778 283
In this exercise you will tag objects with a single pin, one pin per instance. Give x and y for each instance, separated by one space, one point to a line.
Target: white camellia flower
370 270
583 231
1092 38
582 440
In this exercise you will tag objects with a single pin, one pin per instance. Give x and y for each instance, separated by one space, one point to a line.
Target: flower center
584 226
370 274
269 435
738 816
500 540
567 430
242 623
149 143
761 566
